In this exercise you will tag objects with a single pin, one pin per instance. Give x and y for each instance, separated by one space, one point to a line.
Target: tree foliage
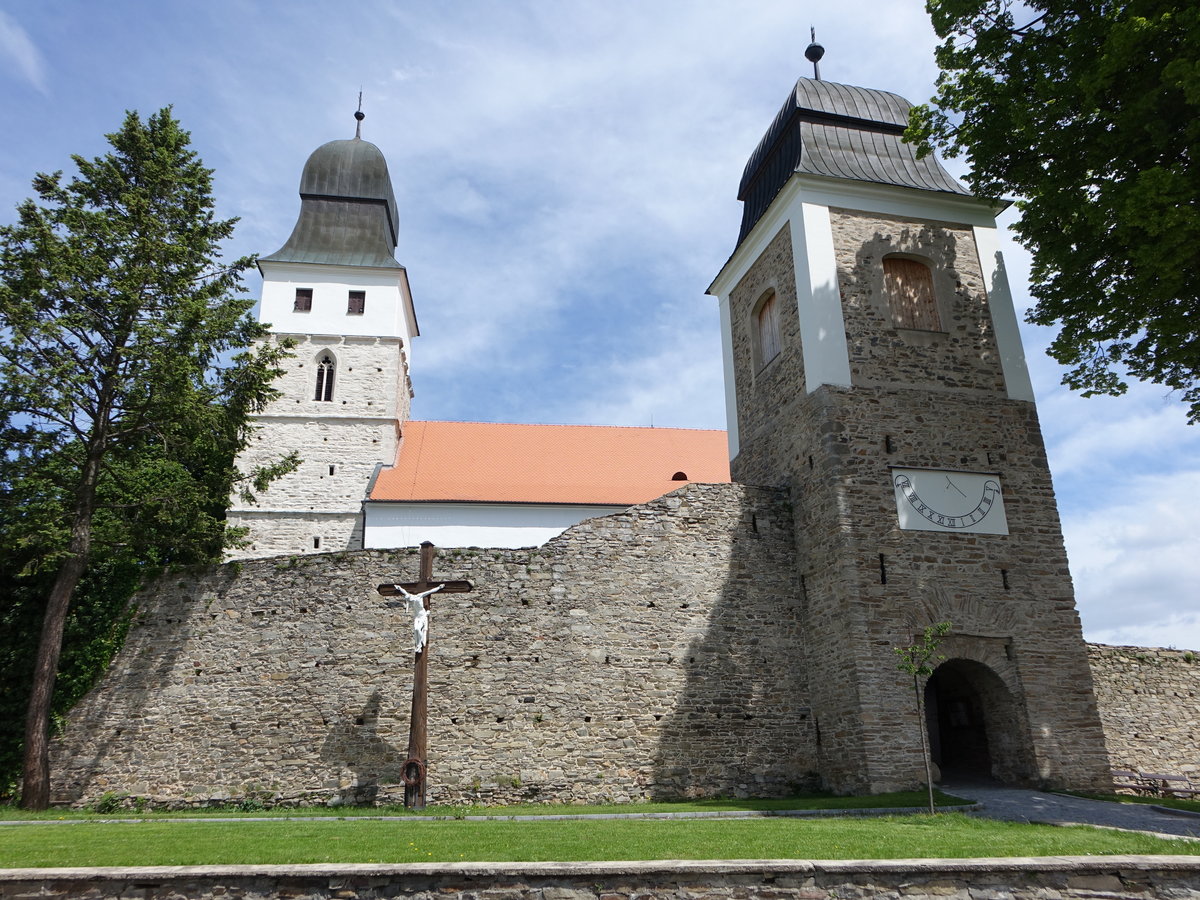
1089 113
130 368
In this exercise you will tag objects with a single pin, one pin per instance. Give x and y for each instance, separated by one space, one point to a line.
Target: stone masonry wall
1150 706
1048 878
766 394
1009 597
932 400
340 443
656 652
962 355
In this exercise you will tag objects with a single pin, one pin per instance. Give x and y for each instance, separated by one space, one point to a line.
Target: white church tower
336 290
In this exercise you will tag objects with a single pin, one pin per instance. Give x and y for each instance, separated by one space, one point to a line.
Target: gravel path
1019 805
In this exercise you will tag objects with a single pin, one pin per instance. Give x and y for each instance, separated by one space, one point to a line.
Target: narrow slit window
303 300
909 287
768 330
357 303
325 369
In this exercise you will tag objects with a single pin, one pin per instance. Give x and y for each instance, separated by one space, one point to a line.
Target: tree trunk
35 775
924 742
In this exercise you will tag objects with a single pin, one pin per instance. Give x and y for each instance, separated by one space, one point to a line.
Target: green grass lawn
898 800
198 843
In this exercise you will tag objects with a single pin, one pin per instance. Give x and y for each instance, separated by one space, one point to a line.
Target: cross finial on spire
813 52
359 115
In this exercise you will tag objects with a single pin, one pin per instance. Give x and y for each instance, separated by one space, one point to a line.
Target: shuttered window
357 303
303 300
909 287
768 330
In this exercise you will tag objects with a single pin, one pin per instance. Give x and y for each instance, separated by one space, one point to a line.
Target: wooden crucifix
420 590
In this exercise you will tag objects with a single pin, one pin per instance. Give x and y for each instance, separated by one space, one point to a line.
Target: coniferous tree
130 368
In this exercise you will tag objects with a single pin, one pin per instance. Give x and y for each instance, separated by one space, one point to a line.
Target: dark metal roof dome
347 209
840 131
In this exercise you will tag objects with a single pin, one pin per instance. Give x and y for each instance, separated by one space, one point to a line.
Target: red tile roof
590 464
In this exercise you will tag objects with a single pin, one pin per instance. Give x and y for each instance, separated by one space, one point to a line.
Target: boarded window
303 300
909 286
325 368
767 322
358 303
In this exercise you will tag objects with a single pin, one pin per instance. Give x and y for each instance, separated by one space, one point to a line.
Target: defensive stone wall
1149 701
653 653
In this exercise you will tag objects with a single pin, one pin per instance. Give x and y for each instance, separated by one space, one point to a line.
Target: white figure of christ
416 605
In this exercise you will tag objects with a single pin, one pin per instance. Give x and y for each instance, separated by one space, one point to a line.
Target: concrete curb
1064 864
552 817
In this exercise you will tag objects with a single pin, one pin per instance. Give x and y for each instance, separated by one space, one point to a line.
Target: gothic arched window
909 287
325 367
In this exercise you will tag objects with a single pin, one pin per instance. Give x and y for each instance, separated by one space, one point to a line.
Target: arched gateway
975 725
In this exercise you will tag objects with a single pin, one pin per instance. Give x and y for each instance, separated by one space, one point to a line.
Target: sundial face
946 500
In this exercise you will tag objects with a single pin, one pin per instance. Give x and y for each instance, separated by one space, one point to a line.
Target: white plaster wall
1004 314
386 312
822 328
510 525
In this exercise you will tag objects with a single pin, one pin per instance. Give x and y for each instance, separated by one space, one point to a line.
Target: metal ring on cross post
413 773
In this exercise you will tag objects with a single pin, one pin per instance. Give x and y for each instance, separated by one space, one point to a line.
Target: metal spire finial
813 53
359 115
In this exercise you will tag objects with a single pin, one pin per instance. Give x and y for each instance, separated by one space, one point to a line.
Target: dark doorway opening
975 730
958 739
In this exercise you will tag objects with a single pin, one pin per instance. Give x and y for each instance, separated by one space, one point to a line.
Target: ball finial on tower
359 115
813 53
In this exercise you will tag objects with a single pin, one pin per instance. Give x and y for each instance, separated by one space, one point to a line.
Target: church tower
873 367
336 291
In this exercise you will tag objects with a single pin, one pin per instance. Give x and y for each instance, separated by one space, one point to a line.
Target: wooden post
417 762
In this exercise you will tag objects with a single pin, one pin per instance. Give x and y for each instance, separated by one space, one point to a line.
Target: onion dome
347 209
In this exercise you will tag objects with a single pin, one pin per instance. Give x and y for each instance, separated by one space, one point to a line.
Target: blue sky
566 174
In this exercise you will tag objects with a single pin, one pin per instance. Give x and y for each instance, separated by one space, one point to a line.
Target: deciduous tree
1089 113
130 368
917 660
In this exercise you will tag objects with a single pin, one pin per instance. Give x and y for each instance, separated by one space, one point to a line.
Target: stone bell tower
336 291
874 367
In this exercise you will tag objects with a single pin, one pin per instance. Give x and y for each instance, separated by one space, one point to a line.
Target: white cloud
566 175
1135 562
20 54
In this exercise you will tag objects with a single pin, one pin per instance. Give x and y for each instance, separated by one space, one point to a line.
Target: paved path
1018 805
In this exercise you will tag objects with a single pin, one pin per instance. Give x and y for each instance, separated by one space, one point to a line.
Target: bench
1127 779
1166 785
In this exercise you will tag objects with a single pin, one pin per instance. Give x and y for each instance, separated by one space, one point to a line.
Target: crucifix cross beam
425 580
414 771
